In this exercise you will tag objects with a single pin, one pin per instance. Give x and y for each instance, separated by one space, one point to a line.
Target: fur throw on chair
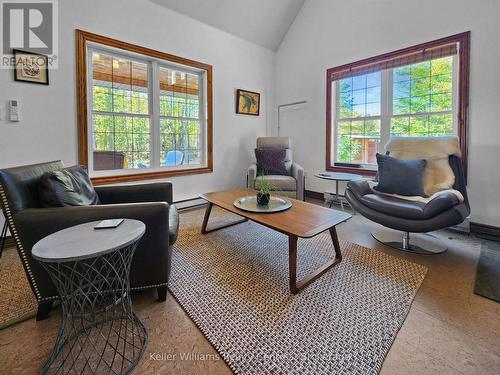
438 174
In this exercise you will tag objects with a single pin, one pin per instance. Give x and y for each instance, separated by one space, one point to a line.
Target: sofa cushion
285 183
67 187
271 161
403 177
409 209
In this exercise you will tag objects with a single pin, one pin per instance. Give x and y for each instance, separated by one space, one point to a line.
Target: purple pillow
271 161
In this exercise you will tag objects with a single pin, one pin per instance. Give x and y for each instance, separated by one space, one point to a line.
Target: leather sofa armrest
251 176
35 223
298 174
359 187
155 192
440 203
173 224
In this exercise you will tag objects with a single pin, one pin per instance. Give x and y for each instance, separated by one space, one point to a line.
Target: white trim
455 91
335 120
154 110
349 119
386 98
126 114
417 114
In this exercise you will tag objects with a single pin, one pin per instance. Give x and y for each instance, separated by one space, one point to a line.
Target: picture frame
247 102
31 67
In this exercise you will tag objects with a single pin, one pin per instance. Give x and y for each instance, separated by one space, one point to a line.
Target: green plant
266 186
348 149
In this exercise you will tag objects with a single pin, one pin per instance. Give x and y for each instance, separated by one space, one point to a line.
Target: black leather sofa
29 222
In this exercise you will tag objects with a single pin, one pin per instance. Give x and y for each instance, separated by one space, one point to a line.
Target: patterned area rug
17 302
234 285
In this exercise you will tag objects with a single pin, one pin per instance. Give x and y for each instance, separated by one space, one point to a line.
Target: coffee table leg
207 216
336 245
292 263
295 286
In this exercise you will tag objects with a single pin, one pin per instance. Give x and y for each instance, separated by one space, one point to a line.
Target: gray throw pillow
67 187
271 161
403 177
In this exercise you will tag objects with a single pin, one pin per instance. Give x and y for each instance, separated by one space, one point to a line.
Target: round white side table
99 333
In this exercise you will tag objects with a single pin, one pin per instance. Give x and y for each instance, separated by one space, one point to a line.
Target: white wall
328 33
48 127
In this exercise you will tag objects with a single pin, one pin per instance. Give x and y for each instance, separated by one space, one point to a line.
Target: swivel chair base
419 243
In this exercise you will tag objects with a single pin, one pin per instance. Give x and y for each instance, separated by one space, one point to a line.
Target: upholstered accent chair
291 184
441 210
29 222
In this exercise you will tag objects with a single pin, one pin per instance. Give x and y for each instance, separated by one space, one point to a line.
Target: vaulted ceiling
264 22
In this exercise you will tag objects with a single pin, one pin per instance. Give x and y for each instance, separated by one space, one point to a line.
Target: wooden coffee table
302 220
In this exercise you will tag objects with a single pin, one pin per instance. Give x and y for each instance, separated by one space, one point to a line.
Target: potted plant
264 193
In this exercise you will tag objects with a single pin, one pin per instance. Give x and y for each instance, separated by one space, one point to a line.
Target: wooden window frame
82 38
463 39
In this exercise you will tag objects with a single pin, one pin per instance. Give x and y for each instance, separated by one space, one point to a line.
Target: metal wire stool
99 333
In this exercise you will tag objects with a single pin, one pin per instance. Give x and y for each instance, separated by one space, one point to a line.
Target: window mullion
455 92
90 107
335 121
386 109
202 118
154 103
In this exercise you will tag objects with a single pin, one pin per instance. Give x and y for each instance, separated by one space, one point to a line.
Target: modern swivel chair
445 210
29 222
292 184
174 158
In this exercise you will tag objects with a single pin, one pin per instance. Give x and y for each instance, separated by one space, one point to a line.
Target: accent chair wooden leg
162 293
43 310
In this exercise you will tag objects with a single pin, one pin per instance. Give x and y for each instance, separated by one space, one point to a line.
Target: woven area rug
17 302
233 284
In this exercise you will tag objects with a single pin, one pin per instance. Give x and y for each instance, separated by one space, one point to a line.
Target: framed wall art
247 102
31 67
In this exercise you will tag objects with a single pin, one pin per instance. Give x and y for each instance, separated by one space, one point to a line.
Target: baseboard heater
189 203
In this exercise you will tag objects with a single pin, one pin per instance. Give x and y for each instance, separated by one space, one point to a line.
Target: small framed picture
247 102
31 67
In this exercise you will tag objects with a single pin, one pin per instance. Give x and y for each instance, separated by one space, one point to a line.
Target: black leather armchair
29 222
409 216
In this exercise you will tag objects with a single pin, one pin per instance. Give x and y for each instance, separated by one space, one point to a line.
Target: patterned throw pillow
271 161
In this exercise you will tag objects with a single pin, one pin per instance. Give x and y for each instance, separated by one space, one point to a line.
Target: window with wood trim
419 91
142 113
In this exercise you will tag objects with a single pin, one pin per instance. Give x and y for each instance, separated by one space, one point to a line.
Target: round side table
337 177
99 333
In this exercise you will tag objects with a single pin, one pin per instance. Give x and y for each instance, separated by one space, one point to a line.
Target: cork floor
449 330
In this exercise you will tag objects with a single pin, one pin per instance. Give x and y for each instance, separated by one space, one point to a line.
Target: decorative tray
249 203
